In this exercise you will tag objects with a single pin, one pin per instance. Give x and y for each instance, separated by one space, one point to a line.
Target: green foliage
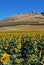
26 53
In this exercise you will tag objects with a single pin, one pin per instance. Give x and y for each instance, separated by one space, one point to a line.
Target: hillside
31 21
24 18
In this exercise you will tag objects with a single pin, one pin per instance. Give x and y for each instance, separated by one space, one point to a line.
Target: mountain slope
21 19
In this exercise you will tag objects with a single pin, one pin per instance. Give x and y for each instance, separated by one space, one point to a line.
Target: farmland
22 48
23 28
22 39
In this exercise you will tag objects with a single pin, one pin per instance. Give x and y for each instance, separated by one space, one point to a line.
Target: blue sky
12 7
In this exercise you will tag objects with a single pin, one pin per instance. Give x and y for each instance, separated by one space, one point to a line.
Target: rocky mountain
30 18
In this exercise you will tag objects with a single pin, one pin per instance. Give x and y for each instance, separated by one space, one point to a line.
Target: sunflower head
5 57
18 61
19 45
16 50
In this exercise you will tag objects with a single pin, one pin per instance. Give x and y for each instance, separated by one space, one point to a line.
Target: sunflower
18 61
40 52
36 50
16 50
32 56
35 43
17 40
5 57
19 45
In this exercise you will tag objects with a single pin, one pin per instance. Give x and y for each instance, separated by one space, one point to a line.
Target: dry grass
23 28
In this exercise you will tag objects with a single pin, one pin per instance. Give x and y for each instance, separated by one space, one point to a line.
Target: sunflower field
22 48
